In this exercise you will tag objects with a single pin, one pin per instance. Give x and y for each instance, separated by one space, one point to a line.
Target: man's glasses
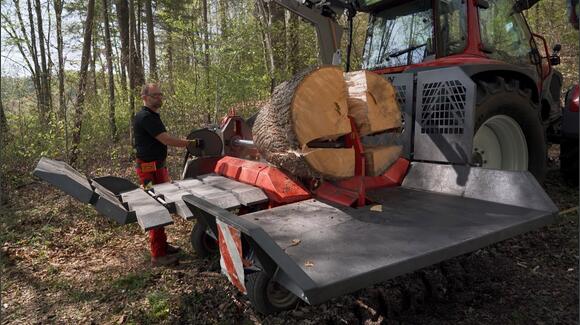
156 95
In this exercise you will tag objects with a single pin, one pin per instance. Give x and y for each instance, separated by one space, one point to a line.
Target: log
372 102
310 106
379 159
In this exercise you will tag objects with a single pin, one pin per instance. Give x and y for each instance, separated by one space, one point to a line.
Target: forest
72 72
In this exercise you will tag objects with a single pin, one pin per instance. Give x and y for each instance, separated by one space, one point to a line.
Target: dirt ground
63 263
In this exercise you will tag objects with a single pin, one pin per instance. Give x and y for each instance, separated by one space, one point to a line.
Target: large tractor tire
508 131
266 295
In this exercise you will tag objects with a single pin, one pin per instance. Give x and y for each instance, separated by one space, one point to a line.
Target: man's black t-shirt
146 126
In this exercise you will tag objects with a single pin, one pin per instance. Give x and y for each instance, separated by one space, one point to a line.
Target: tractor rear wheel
508 131
202 243
268 296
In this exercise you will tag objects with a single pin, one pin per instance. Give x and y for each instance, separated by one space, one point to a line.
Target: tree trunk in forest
123 16
92 87
11 31
37 71
3 135
137 32
311 106
292 43
3 122
59 44
79 103
44 84
265 20
111 80
138 71
170 60
206 52
151 41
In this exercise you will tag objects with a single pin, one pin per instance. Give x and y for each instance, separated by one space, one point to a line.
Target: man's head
152 96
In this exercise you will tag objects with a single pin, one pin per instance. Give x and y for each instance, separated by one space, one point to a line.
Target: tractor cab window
504 34
405 34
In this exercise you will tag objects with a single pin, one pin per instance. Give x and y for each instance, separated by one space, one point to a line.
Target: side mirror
555 57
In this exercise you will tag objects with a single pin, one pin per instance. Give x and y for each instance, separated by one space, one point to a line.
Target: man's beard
156 105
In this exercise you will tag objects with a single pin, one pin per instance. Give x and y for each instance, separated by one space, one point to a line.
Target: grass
158 306
132 282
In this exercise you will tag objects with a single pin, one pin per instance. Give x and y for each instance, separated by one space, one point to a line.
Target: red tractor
517 102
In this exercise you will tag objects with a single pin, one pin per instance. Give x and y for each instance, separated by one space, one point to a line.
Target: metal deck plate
247 194
343 249
66 178
150 213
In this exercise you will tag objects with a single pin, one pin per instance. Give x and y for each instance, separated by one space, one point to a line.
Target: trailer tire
506 109
267 296
201 242
569 160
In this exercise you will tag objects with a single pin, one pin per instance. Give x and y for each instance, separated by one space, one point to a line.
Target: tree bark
311 106
151 41
139 74
79 103
206 52
111 80
58 5
44 83
292 43
37 70
123 17
265 19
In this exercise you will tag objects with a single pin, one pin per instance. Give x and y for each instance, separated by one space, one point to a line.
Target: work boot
166 260
172 250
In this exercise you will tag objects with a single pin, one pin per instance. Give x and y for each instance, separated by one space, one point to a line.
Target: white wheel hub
500 144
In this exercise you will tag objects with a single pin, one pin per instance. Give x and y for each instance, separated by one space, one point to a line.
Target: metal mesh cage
443 107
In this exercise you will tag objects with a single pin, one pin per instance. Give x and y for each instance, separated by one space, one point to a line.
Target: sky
12 61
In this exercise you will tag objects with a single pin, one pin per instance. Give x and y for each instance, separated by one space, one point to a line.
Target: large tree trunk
80 100
311 106
111 80
151 41
372 102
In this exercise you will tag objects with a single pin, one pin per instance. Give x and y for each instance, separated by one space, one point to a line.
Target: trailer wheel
569 160
203 244
508 131
266 295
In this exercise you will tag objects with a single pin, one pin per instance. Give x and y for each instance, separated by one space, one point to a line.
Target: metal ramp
124 202
441 211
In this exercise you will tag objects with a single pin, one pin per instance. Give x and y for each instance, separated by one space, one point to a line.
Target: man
151 141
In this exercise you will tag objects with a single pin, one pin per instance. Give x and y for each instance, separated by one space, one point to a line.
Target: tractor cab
414 32
420 32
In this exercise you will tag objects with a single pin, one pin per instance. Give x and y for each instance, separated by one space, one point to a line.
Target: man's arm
169 140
